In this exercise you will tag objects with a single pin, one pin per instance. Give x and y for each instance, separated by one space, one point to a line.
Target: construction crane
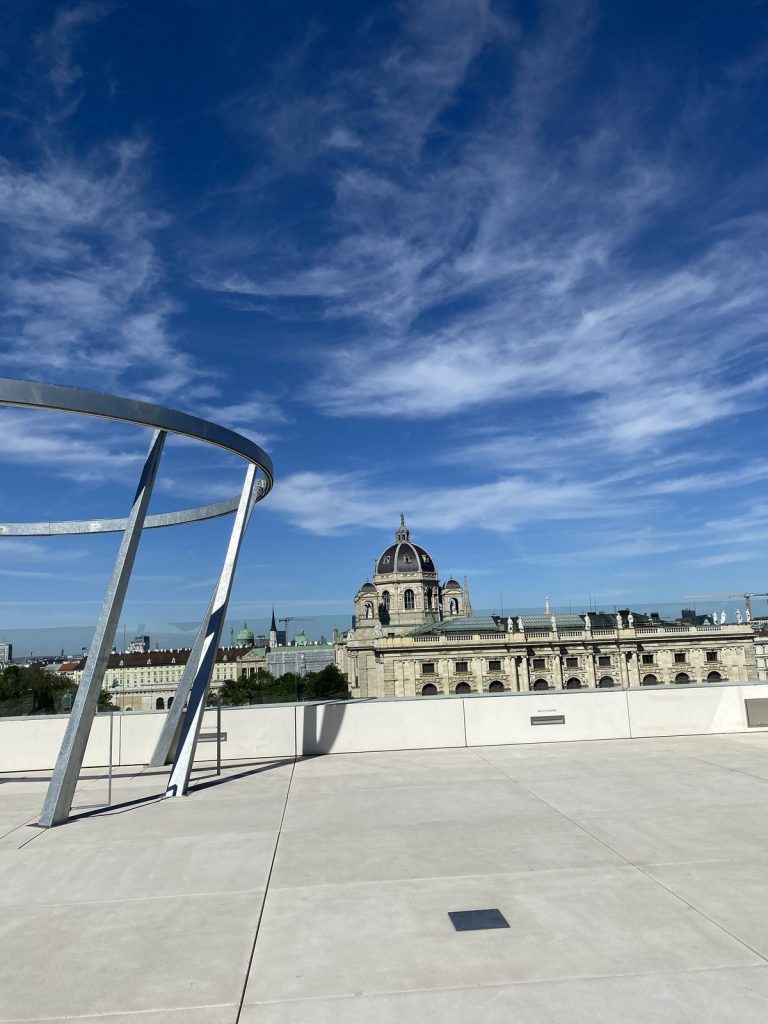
727 597
294 618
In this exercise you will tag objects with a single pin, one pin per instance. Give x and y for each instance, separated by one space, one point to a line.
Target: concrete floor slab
730 892
630 871
437 848
671 835
394 768
725 996
451 801
180 816
562 923
613 794
148 868
98 958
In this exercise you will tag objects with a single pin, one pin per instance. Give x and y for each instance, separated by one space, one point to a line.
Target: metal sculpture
178 732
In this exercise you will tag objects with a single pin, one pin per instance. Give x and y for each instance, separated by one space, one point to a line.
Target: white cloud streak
328 502
501 271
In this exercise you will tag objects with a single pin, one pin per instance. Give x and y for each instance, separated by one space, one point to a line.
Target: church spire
273 631
466 603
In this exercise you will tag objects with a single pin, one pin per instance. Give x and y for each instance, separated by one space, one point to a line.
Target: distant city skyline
51 640
496 266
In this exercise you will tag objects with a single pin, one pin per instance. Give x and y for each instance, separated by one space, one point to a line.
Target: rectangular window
461 666
428 668
494 665
711 655
604 659
539 663
679 659
647 659
572 662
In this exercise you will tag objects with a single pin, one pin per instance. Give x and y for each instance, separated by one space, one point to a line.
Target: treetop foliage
31 690
264 688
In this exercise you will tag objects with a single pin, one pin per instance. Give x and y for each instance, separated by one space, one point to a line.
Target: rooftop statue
723 617
619 621
739 619
630 620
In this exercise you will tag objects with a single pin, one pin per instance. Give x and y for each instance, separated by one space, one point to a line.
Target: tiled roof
155 659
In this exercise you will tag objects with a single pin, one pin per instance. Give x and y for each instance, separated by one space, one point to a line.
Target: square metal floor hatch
477 920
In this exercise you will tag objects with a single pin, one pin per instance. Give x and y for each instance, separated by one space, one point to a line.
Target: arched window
496 687
714 677
573 683
170 701
606 681
453 606
540 684
649 681
159 704
428 597
463 688
127 709
408 601
682 677
368 610
385 599
428 690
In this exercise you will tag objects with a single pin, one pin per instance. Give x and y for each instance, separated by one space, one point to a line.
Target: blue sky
499 266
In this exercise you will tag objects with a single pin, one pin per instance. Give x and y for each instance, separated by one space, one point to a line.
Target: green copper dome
244 638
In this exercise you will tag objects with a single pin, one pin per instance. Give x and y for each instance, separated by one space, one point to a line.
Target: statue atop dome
403 533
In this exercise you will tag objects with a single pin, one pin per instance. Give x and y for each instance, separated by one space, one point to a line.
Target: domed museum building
415 636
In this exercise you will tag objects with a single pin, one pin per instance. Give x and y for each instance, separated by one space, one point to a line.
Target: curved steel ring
28 394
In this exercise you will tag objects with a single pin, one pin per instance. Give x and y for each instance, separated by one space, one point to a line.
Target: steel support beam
165 749
190 729
61 790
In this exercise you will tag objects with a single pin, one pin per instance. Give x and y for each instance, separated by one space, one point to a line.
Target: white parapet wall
548 716
289 730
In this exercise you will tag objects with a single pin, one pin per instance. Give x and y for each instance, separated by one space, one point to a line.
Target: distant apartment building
414 636
6 654
148 681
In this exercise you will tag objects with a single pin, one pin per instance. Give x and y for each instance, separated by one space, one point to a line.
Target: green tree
264 688
31 690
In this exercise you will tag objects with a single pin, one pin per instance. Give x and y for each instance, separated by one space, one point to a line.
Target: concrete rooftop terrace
632 874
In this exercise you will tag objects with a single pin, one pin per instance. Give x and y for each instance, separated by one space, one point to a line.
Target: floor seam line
662 972
266 894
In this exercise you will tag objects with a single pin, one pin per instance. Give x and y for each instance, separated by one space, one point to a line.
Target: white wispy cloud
72 446
82 284
726 558
499 269
57 43
328 502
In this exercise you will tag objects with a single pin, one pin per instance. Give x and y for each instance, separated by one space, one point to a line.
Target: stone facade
148 682
413 637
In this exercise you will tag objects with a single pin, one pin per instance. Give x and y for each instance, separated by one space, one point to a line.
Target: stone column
512 672
558 670
524 675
